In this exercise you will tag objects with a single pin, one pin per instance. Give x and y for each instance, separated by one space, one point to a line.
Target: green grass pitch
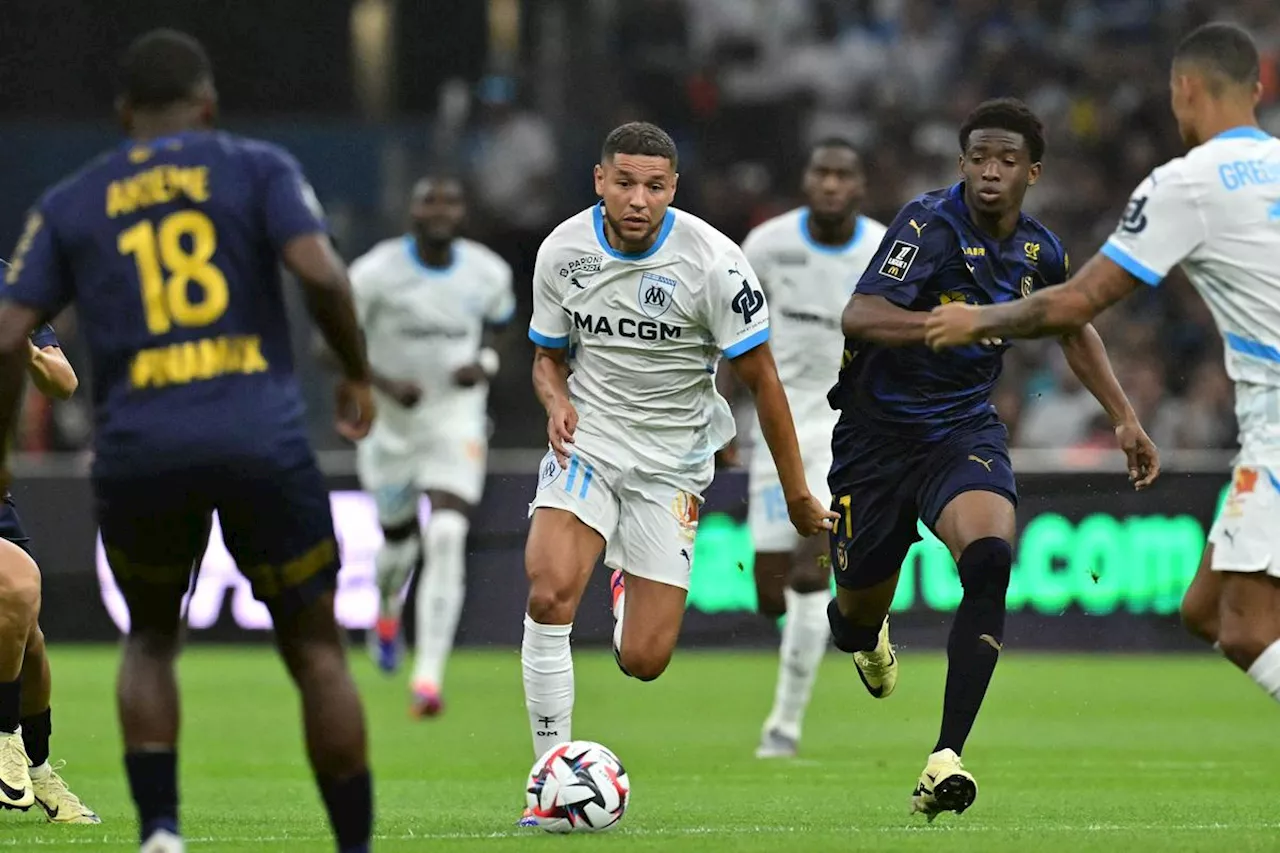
1100 753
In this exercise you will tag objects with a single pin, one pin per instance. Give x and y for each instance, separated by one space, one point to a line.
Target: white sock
393 566
547 661
1266 670
804 642
441 590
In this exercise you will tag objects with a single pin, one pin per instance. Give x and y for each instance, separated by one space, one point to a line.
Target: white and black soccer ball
579 786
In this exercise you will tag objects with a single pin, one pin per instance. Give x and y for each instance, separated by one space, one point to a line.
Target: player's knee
1200 616
646 663
1242 639
984 567
848 636
19 594
551 604
446 533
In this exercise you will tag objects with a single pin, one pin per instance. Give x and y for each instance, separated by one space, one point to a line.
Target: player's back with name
170 250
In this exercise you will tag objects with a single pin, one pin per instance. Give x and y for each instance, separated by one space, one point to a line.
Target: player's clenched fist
809 516
562 421
951 325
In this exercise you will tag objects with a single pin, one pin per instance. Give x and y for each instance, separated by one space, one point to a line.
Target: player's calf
649 616
19 607
311 644
976 638
1202 600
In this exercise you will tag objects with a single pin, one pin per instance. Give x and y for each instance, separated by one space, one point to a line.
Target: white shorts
648 524
1246 536
771 530
452 461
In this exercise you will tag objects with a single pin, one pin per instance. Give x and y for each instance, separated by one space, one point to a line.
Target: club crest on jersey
1028 284
655 294
548 471
684 507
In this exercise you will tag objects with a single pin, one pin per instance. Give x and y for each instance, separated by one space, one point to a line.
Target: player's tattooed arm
551 384
1056 310
51 373
879 321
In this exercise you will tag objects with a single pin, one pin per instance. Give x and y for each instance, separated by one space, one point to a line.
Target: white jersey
647 331
808 285
421 324
1216 212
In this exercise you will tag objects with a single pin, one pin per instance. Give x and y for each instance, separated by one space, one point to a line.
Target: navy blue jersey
933 254
44 336
170 251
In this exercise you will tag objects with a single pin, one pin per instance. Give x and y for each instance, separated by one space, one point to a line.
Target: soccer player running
1216 212
807 260
427 301
26 719
918 437
169 246
649 297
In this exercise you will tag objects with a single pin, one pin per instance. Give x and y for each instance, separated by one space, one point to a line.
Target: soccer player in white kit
634 303
808 261
1216 212
426 301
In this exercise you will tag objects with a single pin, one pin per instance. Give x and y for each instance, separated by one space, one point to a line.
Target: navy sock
153 780
36 730
10 705
350 805
976 637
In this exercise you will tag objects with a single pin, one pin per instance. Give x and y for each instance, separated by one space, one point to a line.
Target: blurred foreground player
26 777
918 437
1216 212
651 297
808 261
169 247
427 303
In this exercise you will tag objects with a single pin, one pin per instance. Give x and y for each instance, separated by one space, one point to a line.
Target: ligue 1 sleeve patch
899 259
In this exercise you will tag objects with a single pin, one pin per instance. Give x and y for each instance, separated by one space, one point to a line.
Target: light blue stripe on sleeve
1130 264
747 344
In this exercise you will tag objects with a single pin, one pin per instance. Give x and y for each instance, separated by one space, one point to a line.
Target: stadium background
515 97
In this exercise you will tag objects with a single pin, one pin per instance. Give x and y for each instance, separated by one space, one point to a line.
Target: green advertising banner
1100 564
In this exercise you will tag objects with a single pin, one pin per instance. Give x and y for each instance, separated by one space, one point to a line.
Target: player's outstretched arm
1057 310
756 369
1087 357
328 298
51 373
551 384
875 319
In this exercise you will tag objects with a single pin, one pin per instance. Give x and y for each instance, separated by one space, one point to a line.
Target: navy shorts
11 526
881 484
276 523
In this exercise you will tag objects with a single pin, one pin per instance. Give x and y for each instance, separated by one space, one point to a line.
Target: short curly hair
1006 114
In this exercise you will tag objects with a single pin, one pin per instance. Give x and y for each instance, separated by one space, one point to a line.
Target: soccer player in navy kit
170 246
26 777
918 437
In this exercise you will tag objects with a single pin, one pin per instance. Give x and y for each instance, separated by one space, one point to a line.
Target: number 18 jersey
169 250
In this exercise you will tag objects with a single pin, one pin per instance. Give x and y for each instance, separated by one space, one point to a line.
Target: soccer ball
578 787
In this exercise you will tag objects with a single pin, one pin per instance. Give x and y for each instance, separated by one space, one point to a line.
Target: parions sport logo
590 263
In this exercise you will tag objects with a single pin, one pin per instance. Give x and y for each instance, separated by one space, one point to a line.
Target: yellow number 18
160 250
